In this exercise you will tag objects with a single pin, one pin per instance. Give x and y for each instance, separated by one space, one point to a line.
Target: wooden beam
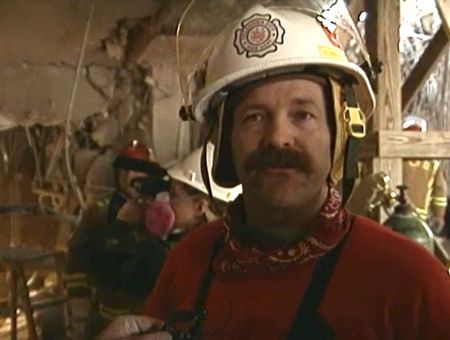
382 38
420 73
406 144
444 10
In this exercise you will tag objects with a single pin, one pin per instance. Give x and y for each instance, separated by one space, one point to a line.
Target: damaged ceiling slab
32 94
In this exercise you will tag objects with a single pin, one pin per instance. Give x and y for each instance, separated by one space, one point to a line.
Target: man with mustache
288 261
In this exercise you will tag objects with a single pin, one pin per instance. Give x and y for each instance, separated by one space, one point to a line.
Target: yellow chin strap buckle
356 121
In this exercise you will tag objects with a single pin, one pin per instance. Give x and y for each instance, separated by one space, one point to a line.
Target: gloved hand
131 212
136 327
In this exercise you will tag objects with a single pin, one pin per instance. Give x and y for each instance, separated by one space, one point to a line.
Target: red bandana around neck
329 227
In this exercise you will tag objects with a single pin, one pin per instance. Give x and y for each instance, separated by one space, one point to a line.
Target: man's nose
279 132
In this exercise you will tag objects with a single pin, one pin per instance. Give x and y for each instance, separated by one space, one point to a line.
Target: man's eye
253 117
303 115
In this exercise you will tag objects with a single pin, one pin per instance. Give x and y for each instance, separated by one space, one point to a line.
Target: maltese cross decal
258 36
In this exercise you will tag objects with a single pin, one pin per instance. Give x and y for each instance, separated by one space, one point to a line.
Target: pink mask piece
159 218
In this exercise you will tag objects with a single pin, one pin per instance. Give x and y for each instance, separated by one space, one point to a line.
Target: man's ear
200 206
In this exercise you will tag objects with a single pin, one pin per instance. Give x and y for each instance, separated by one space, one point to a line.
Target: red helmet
136 156
136 150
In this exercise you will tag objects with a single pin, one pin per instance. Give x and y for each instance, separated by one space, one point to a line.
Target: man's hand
131 212
135 327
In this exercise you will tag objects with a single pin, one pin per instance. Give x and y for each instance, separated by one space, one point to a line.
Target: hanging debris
420 22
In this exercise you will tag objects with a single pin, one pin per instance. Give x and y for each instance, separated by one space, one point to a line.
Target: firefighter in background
134 160
112 244
190 202
426 181
189 197
121 279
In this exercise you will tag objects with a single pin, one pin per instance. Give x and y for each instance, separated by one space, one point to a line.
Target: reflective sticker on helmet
332 53
258 36
329 28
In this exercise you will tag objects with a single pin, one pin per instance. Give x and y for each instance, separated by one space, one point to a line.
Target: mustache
273 157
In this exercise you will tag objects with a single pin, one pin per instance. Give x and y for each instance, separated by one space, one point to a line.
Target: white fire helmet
412 122
188 171
268 41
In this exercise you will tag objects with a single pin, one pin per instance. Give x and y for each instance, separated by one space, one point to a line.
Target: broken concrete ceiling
41 43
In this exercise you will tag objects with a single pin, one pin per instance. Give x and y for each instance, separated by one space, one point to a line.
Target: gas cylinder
405 221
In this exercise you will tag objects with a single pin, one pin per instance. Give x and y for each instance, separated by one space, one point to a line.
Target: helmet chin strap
356 130
204 164
350 168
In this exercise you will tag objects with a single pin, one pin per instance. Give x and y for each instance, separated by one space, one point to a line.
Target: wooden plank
427 62
444 10
406 144
382 37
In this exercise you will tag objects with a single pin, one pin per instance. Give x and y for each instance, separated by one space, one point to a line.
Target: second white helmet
412 122
188 171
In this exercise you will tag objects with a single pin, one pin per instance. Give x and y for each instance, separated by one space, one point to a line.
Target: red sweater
384 287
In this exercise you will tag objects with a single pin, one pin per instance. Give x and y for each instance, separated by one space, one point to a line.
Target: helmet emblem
258 36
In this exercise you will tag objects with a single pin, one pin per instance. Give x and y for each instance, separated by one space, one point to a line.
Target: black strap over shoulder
350 168
195 316
207 278
307 324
